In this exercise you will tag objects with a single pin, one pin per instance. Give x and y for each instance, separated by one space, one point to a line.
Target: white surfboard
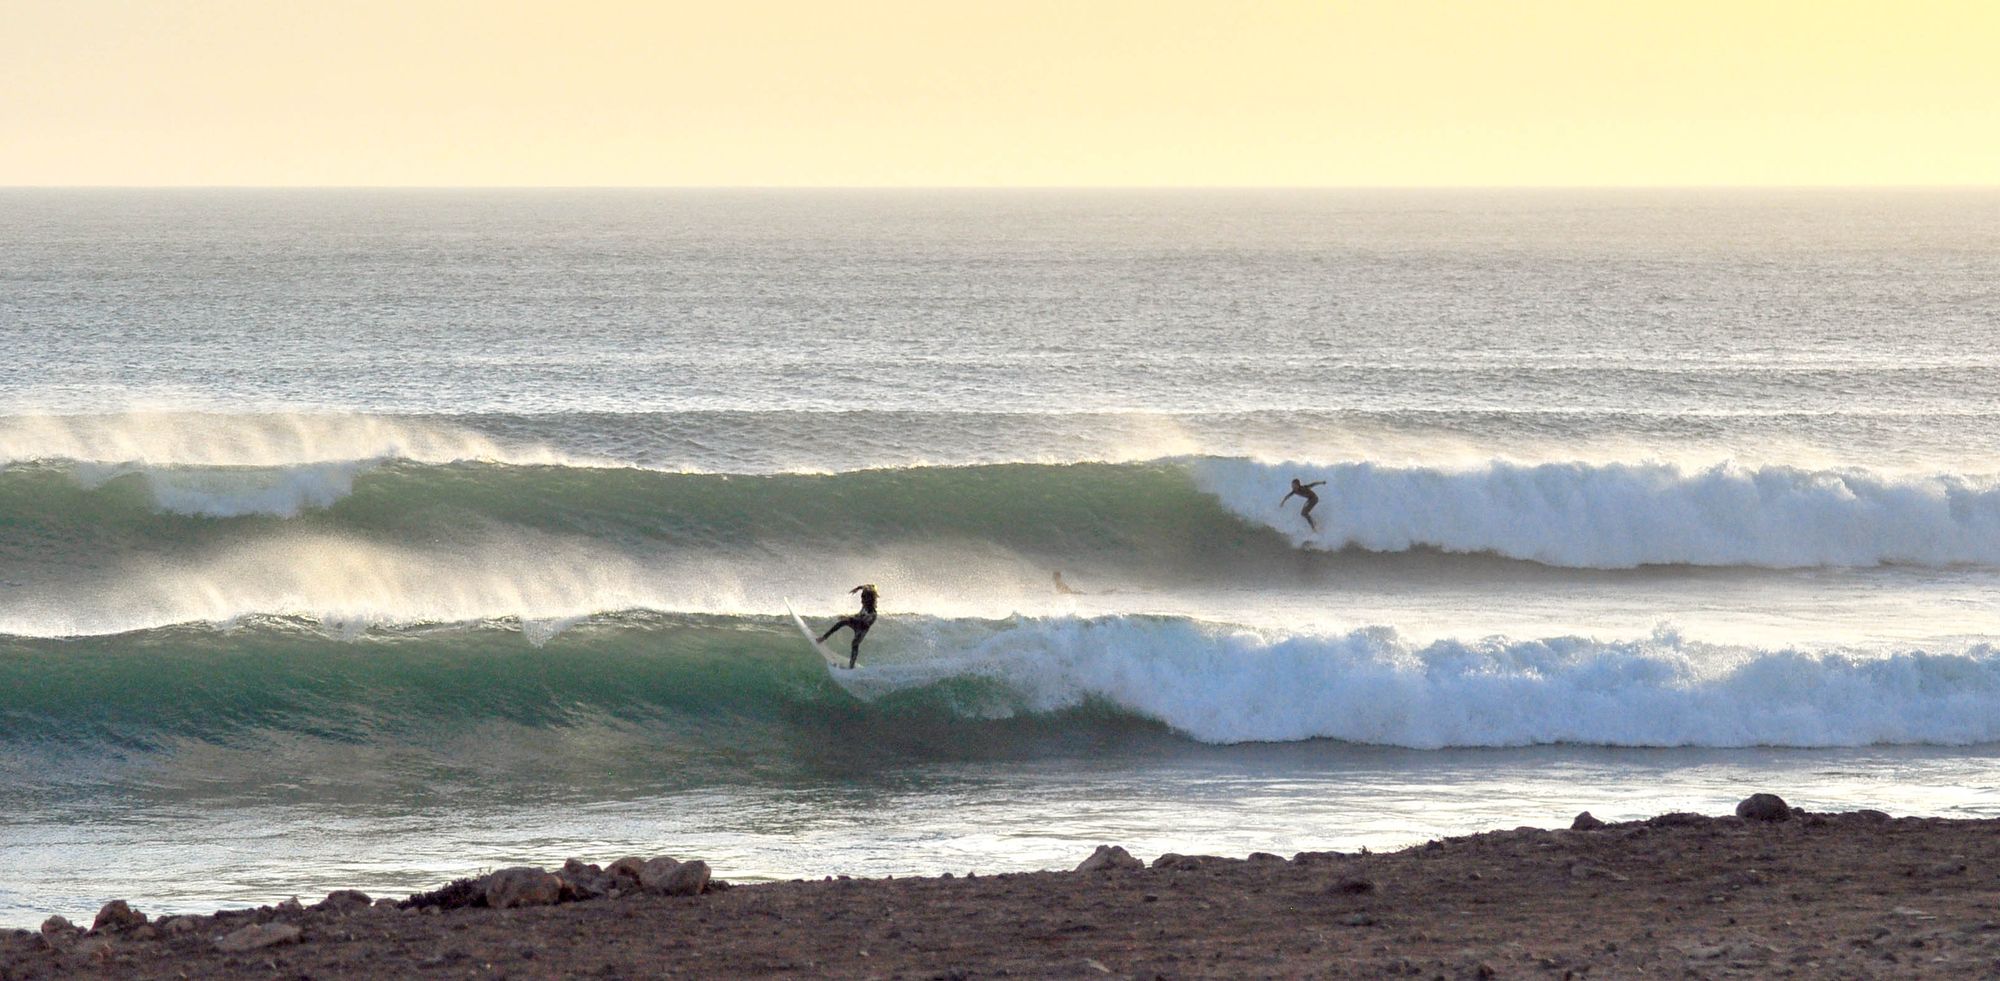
832 660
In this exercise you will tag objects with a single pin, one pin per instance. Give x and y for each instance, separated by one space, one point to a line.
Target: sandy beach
1857 894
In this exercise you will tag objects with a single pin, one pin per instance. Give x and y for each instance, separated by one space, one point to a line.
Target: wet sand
1834 895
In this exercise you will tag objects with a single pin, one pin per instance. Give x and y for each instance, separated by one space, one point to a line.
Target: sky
1340 93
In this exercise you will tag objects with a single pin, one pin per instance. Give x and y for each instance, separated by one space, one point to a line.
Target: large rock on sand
654 874
344 901
522 886
118 915
1764 807
1108 857
686 879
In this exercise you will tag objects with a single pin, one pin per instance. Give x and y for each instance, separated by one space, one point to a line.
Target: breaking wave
959 685
1575 515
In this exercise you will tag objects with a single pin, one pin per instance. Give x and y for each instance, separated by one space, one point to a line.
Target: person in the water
859 623
1304 493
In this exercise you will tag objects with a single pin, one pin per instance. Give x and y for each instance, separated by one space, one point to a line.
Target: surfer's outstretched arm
1317 483
1288 496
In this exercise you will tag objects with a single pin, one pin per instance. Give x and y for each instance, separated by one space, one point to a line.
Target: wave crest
1624 515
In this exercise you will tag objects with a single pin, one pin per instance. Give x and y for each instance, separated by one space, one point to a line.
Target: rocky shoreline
1767 892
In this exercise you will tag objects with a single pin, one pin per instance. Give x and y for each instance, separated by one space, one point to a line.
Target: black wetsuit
1304 492
859 623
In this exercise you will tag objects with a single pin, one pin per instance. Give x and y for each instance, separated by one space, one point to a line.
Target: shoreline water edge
1771 891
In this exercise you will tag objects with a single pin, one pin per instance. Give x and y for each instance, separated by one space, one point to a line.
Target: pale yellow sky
1022 92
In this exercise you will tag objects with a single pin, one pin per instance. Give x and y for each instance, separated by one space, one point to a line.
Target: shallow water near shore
185 845
372 538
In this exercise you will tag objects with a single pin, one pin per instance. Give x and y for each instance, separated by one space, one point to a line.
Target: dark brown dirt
1821 896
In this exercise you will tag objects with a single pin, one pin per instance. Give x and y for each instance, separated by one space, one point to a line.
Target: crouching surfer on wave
1305 493
859 623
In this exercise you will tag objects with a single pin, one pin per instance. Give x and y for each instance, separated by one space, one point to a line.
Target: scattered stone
457 894
584 881
1764 807
685 879
1172 860
145 932
522 886
1108 857
1580 870
291 906
118 915
257 935
1307 858
1585 822
627 868
1358 920
1871 814
1264 858
58 932
344 900
1677 819
654 874
177 925
1351 886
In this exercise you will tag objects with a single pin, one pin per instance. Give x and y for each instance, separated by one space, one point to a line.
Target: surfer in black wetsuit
1304 493
859 623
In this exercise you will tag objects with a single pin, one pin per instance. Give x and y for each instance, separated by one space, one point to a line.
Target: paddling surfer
1304 492
859 623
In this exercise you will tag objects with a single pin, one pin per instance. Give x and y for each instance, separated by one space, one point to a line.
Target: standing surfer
1305 493
859 623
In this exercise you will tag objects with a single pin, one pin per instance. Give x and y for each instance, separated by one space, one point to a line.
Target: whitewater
460 526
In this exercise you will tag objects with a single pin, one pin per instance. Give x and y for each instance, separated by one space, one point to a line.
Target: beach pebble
1585 822
522 886
175 925
1764 807
117 915
257 935
1108 857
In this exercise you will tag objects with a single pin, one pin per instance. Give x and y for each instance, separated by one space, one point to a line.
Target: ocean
372 538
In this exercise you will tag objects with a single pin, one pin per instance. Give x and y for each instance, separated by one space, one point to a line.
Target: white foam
1223 684
1621 515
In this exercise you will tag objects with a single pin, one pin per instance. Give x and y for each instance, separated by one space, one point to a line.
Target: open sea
375 538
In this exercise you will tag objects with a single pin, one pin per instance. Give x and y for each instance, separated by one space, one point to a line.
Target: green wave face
717 690
1046 509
